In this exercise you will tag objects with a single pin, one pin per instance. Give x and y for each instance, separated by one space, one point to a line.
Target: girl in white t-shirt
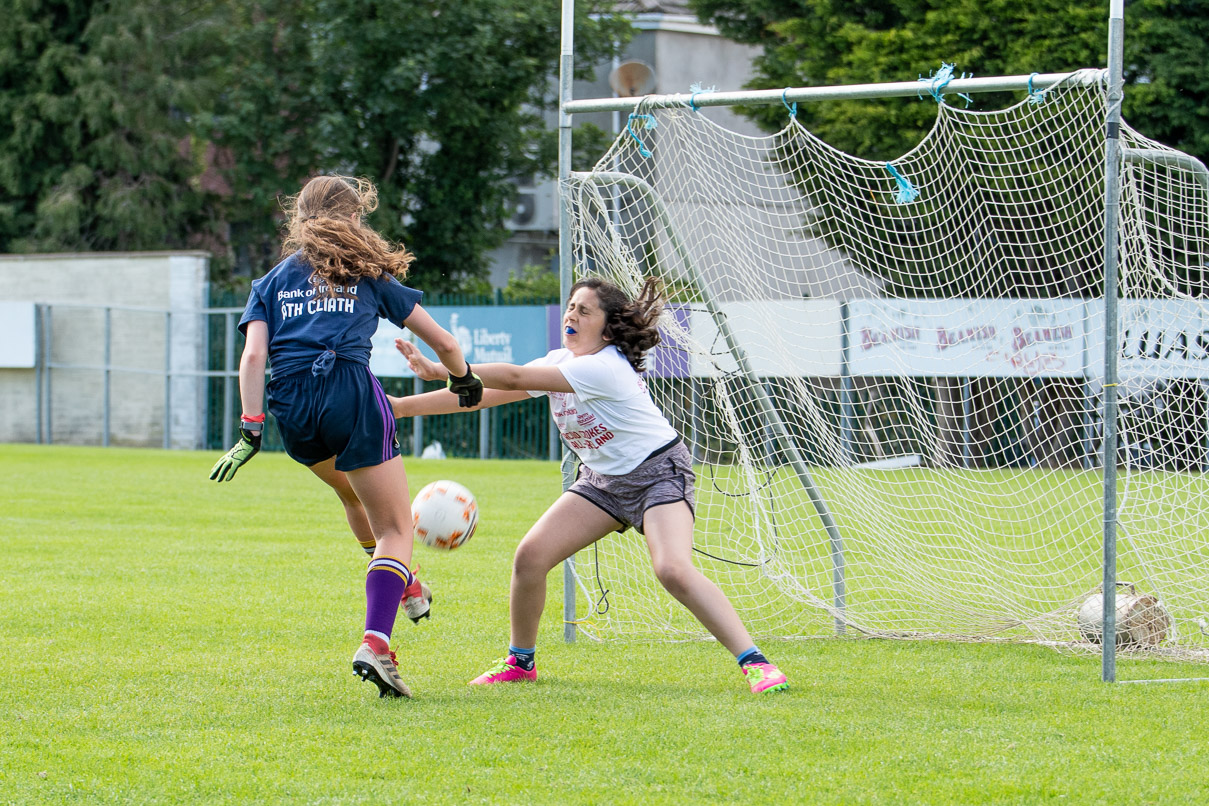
634 470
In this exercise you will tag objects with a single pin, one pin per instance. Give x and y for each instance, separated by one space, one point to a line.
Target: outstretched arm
251 368
439 339
441 401
514 376
461 379
508 377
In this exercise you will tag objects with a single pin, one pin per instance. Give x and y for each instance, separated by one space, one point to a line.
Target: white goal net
891 374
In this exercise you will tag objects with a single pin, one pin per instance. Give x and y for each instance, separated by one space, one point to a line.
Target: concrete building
680 52
118 348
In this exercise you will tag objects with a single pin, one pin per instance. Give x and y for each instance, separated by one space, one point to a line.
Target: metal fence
521 430
117 375
137 376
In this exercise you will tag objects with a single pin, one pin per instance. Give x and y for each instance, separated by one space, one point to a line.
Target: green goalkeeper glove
247 447
468 388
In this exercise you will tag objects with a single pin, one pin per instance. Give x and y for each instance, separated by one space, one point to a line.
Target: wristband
248 418
252 425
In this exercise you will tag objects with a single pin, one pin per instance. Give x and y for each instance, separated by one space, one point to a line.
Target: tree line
151 124
826 42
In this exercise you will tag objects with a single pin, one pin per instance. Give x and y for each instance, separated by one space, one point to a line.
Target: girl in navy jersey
312 318
634 469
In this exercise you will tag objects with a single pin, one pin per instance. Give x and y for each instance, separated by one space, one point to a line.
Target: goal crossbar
842 92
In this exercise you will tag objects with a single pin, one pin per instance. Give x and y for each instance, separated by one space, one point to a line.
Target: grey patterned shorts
664 477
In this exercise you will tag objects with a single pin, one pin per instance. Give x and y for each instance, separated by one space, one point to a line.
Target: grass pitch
170 640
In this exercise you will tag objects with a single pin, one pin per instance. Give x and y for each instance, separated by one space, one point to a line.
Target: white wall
141 286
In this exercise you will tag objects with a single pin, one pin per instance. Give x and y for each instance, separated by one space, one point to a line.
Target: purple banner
669 359
554 327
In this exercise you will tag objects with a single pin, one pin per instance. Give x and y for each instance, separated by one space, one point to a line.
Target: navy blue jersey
304 322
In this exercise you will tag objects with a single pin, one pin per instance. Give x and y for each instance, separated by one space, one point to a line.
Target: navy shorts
664 477
343 414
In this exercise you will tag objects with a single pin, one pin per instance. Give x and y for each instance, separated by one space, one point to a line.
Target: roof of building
653 7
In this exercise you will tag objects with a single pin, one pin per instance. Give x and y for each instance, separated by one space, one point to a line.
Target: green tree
533 282
440 104
824 42
148 125
98 154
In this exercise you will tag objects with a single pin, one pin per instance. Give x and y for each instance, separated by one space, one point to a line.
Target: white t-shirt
609 420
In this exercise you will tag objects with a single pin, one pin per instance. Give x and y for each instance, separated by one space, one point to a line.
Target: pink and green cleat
504 671
764 677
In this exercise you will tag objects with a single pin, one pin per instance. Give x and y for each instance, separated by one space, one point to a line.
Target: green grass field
169 640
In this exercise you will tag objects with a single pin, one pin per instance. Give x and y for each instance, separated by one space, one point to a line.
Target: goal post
1112 377
903 382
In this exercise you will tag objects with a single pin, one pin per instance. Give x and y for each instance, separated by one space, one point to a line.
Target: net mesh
891 375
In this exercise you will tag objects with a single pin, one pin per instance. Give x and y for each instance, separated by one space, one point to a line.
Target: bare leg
382 491
354 512
570 524
669 537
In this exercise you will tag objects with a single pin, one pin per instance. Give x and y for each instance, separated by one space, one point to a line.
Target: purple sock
384 584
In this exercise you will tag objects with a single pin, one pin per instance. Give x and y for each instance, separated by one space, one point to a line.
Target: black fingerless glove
468 388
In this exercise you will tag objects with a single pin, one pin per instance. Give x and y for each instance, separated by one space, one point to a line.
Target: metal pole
566 77
1112 166
105 411
484 433
228 365
48 338
417 423
847 408
1173 159
167 380
967 407
900 89
39 370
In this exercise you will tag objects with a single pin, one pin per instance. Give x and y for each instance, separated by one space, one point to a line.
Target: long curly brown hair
326 222
631 324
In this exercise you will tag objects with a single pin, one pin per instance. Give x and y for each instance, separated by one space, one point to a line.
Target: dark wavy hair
326 222
630 323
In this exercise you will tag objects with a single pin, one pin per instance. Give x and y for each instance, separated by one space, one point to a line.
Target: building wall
144 344
681 52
